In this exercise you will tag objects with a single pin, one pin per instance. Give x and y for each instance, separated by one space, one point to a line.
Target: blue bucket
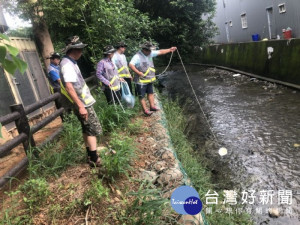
255 37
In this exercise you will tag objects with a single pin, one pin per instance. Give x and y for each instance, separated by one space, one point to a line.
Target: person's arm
166 51
134 69
82 110
100 74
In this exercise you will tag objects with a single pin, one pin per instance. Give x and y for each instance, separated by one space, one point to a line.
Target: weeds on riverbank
62 189
148 207
118 164
113 117
56 156
196 168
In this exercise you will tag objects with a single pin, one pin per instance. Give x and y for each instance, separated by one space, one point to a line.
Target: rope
197 99
161 74
112 94
119 101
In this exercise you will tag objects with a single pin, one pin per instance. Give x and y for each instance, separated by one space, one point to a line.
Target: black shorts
142 89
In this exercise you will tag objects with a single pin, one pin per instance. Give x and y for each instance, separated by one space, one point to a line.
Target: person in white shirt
120 61
142 65
82 98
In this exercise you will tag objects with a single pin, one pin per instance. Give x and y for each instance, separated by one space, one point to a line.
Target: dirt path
18 153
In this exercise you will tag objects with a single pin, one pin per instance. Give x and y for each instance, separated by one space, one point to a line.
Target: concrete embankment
278 59
162 166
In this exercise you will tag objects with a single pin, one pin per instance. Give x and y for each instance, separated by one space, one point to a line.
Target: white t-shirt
69 72
136 59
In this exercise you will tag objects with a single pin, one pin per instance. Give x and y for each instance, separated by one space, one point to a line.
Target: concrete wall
257 19
283 64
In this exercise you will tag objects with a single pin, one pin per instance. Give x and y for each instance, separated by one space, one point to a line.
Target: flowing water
259 124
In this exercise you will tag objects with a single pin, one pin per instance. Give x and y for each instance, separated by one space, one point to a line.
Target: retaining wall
278 59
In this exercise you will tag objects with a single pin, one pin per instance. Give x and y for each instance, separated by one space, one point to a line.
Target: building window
282 8
244 21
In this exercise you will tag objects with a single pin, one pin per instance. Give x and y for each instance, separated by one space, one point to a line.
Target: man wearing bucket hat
119 59
82 98
54 70
142 65
108 75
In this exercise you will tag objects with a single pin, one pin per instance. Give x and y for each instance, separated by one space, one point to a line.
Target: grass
195 167
118 164
30 197
95 193
111 117
36 192
142 204
148 207
55 157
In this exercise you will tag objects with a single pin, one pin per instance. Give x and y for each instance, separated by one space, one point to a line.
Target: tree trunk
40 32
43 39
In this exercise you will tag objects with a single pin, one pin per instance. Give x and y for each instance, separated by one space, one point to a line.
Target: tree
181 22
33 10
98 23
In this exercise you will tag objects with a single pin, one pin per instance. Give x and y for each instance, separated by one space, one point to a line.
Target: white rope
112 94
161 74
197 99
119 101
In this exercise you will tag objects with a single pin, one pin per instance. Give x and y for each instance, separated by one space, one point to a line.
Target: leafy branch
8 57
9 60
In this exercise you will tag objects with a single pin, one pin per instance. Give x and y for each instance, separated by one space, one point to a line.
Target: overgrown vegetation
148 207
185 24
46 195
195 167
112 117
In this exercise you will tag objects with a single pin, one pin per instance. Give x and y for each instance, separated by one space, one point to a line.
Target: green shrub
95 193
112 117
148 207
35 192
135 127
56 156
116 164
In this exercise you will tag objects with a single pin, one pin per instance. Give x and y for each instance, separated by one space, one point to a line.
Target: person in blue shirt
142 65
54 70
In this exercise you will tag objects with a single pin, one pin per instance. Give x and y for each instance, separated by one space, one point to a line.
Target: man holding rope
142 65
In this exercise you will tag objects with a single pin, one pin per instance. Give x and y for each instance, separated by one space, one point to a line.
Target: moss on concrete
284 64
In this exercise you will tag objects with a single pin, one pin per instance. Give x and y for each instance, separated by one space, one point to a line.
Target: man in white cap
142 65
82 98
